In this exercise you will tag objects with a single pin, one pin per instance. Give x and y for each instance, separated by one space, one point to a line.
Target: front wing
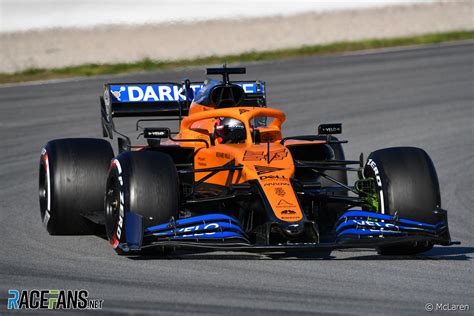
354 229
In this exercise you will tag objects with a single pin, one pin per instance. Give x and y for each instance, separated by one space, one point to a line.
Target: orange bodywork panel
267 162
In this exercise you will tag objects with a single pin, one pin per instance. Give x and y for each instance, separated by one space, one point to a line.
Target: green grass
148 64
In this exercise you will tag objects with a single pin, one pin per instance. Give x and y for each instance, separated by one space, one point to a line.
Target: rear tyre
334 209
339 175
408 186
314 153
145 183
72 177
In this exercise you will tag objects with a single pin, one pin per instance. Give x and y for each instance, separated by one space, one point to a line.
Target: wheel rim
44 193
112 206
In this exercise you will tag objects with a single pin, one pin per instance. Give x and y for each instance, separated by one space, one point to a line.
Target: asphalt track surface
417 96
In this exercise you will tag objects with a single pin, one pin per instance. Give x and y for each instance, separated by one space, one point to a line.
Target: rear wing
165 98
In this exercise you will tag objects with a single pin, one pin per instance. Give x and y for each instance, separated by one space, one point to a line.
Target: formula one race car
229 180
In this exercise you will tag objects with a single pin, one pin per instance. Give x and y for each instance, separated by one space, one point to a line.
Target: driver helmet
229 131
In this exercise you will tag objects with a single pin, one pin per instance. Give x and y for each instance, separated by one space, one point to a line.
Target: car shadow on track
437 253
227 255
454 253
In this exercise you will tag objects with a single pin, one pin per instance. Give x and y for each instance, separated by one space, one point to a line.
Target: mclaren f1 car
229 180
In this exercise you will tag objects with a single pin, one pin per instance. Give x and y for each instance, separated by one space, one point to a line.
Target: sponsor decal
201 161
251 155
222 155
251 87
288 215
278 154
274 184
117 93
332 130
280 191
325 129
210 226
264 170
149 93
52 300
270 177
158 133
283 203
153 132
163 92
374 224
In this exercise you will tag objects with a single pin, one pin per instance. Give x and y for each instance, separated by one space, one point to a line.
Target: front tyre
407 186
143 182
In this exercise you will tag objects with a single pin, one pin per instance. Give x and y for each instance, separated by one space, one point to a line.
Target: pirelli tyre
72 177
333 151
407 185
144 182
339 175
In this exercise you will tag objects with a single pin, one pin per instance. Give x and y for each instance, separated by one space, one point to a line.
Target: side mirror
329 129
156 132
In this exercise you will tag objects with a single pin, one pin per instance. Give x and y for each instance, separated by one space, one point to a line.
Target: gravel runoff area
120 43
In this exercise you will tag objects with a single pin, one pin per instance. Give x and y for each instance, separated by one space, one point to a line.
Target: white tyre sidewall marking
374 167
47 214
120 224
